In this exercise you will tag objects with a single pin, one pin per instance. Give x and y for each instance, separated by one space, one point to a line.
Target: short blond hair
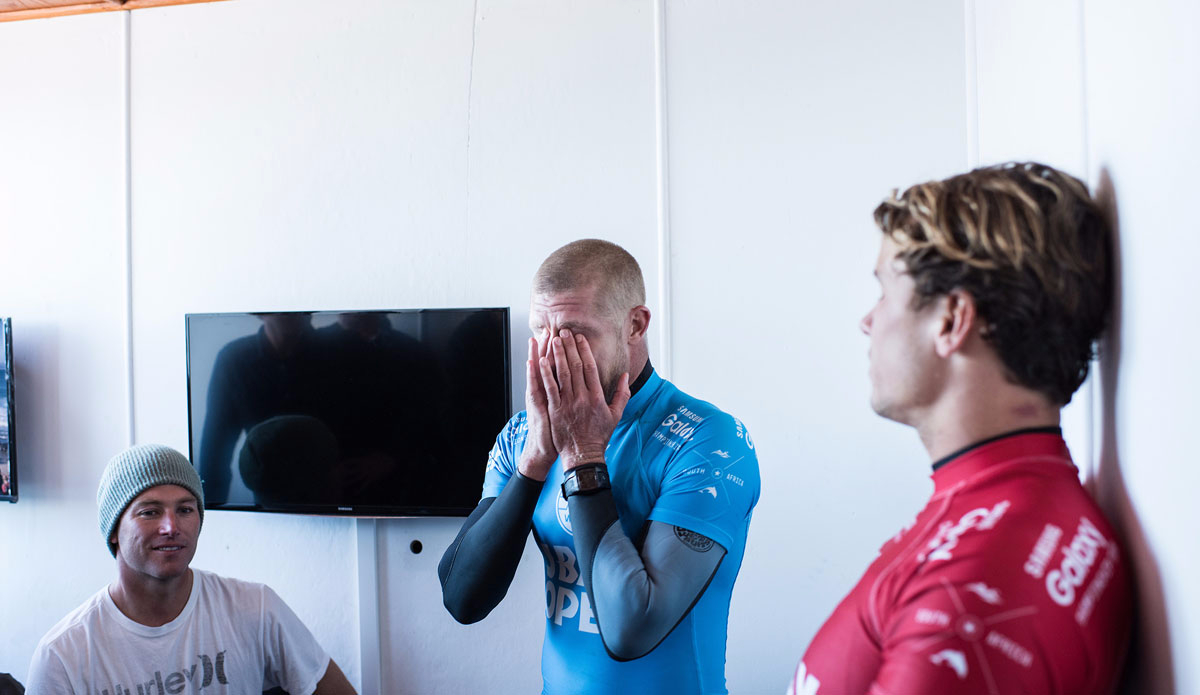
594 262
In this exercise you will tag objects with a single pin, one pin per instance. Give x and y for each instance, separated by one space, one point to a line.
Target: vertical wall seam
370 633
127 147
662 196
1083 94
1093 393
470 89
971 55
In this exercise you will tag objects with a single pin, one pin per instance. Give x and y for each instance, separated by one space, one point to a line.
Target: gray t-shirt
231 637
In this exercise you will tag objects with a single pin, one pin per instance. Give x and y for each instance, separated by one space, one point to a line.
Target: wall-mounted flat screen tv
8 449
353 413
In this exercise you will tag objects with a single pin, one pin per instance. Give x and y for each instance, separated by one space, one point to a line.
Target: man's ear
639 322
957 319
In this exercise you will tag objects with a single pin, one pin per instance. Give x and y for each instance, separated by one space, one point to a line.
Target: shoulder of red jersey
1016 587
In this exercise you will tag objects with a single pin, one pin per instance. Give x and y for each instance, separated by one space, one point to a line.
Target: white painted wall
62 279
405 154
561 108
1143 108
1028 105
788 123
1108 89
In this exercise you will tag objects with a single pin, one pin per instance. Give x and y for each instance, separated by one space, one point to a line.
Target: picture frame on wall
8 454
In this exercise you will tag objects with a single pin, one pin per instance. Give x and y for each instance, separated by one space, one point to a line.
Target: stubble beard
610 378
610 388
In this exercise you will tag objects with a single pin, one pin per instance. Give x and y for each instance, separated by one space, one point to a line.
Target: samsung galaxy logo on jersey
683 410
1078 559
743 434
1103 575
1035 566
666 441
684 429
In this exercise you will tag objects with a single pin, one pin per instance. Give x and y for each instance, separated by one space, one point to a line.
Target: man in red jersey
995 287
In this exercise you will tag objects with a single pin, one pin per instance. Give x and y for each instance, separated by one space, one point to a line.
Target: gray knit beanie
135 470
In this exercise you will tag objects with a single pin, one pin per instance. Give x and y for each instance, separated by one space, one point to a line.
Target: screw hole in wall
416 547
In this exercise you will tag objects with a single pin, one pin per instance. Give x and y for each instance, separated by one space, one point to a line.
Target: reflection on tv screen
372 413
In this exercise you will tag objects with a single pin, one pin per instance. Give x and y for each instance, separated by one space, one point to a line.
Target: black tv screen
360 413
8 449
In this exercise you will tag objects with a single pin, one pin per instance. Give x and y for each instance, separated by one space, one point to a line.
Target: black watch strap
585 480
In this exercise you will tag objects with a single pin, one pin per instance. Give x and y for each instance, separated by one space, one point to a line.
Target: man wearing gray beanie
163 627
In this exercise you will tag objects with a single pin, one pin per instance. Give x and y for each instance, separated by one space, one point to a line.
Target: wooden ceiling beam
13 10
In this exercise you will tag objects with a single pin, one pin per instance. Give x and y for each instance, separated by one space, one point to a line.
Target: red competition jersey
1010 580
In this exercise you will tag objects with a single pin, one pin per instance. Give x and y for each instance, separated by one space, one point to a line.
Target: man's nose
168 524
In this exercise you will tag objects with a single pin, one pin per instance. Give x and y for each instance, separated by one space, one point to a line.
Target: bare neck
979 410
149 601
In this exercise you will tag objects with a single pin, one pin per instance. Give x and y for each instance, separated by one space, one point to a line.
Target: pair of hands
567 414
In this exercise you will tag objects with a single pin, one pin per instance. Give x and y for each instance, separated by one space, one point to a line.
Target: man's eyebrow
155 502
572 326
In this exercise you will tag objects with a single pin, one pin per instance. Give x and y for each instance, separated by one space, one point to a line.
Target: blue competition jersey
672 459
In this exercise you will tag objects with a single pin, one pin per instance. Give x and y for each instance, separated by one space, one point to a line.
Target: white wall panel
62 280
1030 105
1107 90
562 134
402 156
425 651
287 157
1143 108
788 123
559 146
1030 83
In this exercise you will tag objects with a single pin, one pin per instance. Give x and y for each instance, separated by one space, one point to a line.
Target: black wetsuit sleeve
639 594
479 565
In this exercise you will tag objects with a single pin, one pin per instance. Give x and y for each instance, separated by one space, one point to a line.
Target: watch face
585 480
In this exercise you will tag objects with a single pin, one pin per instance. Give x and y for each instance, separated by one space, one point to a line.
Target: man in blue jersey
638 495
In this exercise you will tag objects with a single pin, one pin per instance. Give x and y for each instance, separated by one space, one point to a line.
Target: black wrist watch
585 480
